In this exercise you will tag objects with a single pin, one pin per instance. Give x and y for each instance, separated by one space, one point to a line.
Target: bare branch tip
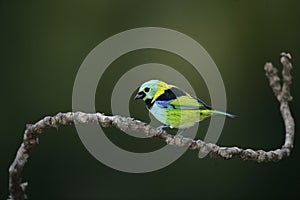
286 55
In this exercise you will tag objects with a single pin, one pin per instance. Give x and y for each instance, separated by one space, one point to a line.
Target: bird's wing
202 102
183 103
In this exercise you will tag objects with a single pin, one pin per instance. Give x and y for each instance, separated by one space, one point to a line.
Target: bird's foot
180 133
161 129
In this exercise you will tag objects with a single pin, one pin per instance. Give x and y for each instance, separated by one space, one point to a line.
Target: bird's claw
161 129
179 133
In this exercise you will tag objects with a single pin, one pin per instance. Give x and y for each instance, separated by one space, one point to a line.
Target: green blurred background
43 44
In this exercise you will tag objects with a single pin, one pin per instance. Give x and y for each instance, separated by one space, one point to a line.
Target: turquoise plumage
174 107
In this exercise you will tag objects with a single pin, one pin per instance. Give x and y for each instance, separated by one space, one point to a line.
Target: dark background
43 44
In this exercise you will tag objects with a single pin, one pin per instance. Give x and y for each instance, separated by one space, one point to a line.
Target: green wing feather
185 111
188 103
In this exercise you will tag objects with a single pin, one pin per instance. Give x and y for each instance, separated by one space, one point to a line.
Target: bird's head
148 90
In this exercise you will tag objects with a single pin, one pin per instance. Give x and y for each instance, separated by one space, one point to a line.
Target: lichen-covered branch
282 93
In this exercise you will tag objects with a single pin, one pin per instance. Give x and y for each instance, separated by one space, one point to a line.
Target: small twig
282 93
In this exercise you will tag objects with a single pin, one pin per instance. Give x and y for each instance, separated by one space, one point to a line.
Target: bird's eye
147 89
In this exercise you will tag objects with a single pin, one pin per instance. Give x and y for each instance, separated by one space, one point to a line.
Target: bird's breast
159 113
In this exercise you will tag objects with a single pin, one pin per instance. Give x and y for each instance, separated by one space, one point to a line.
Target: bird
174 107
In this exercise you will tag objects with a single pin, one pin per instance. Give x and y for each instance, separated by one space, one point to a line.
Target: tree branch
282 93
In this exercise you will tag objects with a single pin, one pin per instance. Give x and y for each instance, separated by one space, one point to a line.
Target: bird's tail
223 113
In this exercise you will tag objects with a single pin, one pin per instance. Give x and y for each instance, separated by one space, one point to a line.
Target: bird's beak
139 95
